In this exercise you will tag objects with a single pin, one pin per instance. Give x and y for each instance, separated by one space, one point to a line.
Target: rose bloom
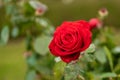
70 39
95 23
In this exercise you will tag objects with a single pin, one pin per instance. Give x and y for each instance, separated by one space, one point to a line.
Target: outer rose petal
84 23
86 40
71 57
52 48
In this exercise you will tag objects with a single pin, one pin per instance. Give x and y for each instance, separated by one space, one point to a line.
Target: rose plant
86 48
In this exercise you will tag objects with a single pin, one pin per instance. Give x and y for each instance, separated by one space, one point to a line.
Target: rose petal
70 58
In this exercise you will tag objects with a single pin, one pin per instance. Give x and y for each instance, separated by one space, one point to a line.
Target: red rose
95 23
70 39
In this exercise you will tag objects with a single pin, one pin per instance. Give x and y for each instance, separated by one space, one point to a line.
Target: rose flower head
70 39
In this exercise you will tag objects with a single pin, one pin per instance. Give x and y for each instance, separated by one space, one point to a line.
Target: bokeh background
12 62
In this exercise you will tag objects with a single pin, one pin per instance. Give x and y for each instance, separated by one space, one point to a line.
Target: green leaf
89 57
49 30
117 67
43 22
31 74
90 75
116 50
91 49
100 56
32 60
108 74
47 27
109 56
41 44
45 66
110 37
5 34
15 32
59 70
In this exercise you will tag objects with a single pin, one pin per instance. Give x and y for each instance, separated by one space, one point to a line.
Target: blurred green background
12 62
82 9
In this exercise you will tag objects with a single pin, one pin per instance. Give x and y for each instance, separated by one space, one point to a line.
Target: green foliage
41 44
91 49
116 50
59 70
101 56
28 42
89 57
109 56
32 60
117 67
108 74
5 34
15 32
31 74
73 72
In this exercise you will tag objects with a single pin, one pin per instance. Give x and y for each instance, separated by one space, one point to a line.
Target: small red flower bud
95 23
